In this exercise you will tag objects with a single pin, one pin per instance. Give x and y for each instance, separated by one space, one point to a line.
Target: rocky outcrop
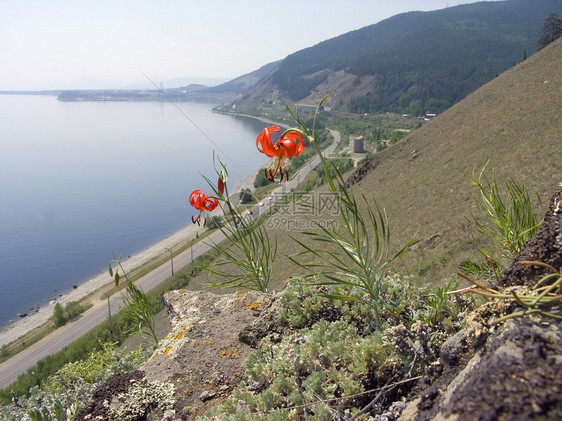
510 372
210 338
515 375
545 247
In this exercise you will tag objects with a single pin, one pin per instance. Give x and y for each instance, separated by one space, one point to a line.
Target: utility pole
109 311
192 268
169 250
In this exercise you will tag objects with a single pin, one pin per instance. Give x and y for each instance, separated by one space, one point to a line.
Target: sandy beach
26 324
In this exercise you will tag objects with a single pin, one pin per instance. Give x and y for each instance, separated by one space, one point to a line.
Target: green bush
261 180
73 309
332 356
246 196
58 318
214 222
61 316
505 223
62 394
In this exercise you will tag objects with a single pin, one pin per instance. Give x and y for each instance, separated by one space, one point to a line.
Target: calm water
82 180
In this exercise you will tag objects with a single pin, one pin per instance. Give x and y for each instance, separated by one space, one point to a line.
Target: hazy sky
62 44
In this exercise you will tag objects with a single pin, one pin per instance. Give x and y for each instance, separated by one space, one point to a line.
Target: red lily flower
291 144
202 202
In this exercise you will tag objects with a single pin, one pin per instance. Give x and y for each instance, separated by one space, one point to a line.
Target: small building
359 145
430 116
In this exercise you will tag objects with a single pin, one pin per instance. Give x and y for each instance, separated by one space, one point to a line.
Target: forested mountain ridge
411 63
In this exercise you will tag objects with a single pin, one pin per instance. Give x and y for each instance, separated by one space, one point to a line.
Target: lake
81 181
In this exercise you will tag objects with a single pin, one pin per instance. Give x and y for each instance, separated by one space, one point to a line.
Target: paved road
20 363
63 336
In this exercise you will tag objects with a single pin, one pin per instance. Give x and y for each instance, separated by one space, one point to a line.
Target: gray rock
206 395
516 375
453 348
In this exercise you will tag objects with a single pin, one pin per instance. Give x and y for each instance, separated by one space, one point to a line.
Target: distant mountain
193 87
411 63
91 82
175 83
242 84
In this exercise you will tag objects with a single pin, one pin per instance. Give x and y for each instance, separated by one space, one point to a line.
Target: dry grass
513 123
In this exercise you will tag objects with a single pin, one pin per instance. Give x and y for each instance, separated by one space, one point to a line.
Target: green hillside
411 63
513 123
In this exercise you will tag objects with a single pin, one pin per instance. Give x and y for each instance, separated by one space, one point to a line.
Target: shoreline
12 332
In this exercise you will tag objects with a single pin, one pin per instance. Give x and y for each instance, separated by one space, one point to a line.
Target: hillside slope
413 62
513 122
243 83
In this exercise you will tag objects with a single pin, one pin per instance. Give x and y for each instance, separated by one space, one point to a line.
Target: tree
246 196
415 107
261 180
551 30
58 316
214 221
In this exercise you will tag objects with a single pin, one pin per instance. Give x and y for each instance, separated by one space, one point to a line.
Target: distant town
179 94
188 93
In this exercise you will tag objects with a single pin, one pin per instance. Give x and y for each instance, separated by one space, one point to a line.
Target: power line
161 90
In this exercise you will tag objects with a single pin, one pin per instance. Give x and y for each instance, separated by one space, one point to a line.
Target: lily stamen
288 145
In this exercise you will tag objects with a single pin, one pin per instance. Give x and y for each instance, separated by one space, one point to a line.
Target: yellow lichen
253 305
228 353
180 335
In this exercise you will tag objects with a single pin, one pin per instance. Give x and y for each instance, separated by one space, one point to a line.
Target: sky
81 44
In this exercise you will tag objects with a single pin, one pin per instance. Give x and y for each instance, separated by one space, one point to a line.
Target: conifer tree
551 30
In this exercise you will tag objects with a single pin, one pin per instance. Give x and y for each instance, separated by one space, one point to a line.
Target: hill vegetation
512 125
324 350
243 83
412 63
324 359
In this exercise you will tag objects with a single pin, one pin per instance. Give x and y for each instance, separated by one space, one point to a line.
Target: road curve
63 336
